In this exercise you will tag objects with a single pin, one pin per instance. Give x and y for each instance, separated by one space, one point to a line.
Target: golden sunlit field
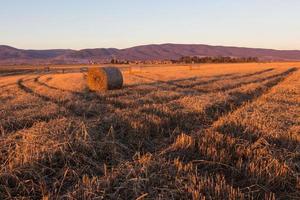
225 131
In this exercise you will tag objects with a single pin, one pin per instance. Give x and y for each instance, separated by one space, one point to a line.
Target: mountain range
11 56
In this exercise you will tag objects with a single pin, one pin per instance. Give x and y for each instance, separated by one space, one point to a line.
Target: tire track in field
240 98
121 105
226 77
79 112
4 87
219 110
191 90
199 83
73 110
158 136
8 93
65 109
252 140
214 112
15 124
176 81
237 99
126 91
86 96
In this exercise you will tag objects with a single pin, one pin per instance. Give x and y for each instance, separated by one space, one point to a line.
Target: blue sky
77 24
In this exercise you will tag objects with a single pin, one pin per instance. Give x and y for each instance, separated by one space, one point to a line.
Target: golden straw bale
105 78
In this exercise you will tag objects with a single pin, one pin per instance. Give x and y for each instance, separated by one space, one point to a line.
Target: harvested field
219 132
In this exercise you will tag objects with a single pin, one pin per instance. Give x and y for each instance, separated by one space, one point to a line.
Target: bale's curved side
114 76
106 78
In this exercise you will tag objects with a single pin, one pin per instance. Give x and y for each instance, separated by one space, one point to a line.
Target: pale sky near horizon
78 24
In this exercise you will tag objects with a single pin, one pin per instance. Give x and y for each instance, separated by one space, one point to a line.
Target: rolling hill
10 55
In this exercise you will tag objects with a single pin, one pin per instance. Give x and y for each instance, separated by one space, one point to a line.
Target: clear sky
77 24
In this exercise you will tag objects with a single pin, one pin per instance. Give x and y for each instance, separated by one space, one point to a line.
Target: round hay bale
104 78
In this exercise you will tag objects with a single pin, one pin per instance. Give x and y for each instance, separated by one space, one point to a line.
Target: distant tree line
116 61
196 59
190 60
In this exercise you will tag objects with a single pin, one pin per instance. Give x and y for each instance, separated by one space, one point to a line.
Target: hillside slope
10 55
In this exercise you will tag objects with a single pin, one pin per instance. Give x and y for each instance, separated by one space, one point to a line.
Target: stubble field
214 132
